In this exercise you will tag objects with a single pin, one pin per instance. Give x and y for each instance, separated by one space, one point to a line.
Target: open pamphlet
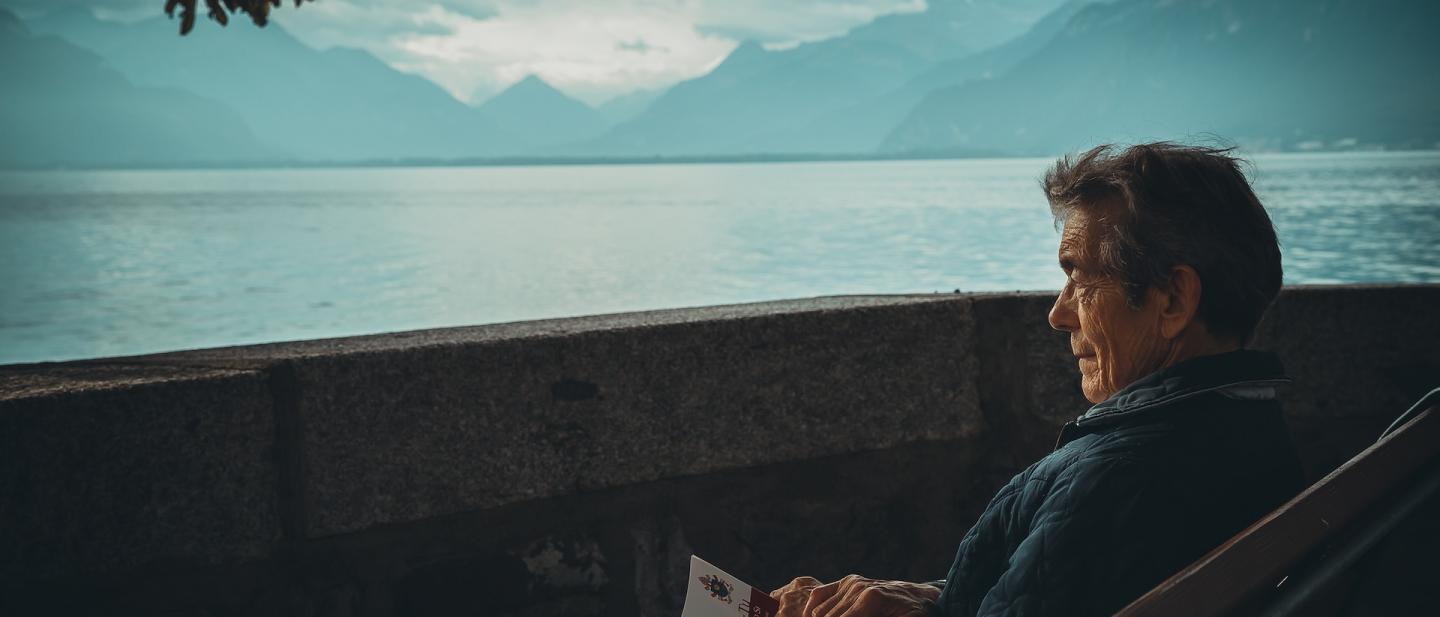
712 592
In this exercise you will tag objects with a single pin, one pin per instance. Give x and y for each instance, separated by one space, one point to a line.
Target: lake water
102 263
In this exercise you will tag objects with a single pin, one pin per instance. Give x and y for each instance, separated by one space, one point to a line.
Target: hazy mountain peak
748 46
747 53
542 115
534 85
532 80
530 91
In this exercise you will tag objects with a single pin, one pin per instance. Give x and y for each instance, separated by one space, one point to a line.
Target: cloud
587 50
593 49
596 50
639 46
474 9
358 23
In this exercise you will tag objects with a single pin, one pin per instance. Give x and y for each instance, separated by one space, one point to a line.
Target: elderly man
1170 262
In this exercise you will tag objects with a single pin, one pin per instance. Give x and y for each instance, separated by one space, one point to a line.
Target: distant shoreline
561 161
523 161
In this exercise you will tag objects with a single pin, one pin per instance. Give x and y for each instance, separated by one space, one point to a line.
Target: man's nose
1062 316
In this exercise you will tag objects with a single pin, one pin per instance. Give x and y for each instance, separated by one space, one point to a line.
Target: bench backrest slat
1254 560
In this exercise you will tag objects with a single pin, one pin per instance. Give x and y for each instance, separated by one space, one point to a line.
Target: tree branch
220 10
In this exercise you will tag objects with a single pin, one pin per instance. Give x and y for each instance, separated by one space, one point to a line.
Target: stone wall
570 467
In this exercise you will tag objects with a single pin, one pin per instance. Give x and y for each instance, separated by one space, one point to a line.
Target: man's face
1114 344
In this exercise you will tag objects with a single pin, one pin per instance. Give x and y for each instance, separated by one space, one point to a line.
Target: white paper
712 592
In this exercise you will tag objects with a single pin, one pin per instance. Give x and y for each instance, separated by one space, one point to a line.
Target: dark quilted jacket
1138 487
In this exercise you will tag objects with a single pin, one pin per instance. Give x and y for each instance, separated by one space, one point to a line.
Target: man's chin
1092 391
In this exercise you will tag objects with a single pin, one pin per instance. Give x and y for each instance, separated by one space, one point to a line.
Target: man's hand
793 596
855 596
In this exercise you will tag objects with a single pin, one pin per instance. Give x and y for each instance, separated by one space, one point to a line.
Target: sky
591 49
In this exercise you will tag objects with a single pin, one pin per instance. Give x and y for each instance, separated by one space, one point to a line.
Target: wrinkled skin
794 595
855 596
1113 342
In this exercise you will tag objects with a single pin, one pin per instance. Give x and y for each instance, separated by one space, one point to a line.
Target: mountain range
1266 73
336 104
963 77
760 100
62 105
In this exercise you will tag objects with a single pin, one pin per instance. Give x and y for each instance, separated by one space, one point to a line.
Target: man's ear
1180 301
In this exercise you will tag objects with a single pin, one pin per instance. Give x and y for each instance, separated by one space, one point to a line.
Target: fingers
853 596
793 596
805 582
800 583
857 596
827 597
831 599
818 596
868 602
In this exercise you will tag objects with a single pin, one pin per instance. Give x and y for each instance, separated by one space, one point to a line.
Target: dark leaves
220 10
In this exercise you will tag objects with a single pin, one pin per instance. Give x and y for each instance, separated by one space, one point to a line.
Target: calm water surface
124 262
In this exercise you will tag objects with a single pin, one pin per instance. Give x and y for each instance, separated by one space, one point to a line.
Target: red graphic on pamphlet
759 605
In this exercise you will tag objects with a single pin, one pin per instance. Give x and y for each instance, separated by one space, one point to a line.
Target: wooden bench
1288 560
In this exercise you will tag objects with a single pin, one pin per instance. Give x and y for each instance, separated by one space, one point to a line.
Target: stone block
399 435
1030 384
1359 354
113 467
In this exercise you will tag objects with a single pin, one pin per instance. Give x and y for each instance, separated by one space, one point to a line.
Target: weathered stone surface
1030 384
250 356
60 379
109 468
1359 354
469 426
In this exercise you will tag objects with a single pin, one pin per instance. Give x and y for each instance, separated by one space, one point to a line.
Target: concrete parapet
471 426
1359 355
105 468
569 466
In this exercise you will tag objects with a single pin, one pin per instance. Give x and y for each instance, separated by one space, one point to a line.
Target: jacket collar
1242 373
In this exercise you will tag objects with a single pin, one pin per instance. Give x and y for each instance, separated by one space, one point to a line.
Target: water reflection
107 263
